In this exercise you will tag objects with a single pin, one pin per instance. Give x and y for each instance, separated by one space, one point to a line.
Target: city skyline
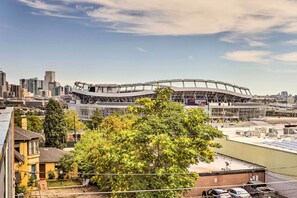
251 44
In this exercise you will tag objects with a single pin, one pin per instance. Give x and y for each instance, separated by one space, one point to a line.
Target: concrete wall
282 162
205 183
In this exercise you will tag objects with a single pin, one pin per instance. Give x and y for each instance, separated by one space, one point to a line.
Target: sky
248 43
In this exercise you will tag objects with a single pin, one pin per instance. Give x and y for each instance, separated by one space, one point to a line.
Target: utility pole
75 136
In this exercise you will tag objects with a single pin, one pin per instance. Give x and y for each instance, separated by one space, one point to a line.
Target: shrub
21 189
61 176
51 175
31 181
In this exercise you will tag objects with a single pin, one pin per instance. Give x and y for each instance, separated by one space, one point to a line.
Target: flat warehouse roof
223 163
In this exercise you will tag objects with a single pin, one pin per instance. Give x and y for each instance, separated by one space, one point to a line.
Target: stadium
220 100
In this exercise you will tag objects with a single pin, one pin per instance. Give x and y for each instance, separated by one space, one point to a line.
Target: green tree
34 123
55 128
18 117
71 118
67 163
157 138
95 120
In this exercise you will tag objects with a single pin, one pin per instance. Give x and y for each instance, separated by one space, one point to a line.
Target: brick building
224 171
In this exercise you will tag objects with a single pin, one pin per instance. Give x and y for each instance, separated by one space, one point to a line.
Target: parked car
239 193
259 189
216 193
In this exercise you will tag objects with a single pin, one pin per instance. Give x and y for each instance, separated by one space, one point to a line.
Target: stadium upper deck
185 90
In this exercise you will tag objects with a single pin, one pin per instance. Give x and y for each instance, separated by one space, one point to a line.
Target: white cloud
233 38
191 17
49 13
263 57
253 43
291 42
290 27
140 49
281 70
190 57
250 40
249 56
288 57
40 5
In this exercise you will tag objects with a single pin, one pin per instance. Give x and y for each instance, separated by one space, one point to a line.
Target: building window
37 146
84 112
33 170
30 148
33 147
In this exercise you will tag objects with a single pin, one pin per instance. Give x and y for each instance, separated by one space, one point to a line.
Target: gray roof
22 134
51 154
19 156
291 145
223 164
253 123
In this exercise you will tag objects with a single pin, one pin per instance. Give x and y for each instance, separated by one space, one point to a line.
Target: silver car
239 193
216 193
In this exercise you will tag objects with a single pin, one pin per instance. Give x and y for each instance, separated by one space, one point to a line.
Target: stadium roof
183 89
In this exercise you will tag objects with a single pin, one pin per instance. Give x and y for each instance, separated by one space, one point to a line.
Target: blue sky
248 43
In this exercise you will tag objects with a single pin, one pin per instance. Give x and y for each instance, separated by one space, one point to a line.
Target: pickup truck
259 189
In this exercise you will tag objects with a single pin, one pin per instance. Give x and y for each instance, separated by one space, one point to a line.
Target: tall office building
58 91
40 85
67 89
15 90
3 87
24 83
33 86
55 88
284 94
30 85
50 76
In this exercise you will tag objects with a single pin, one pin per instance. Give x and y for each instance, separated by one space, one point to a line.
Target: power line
163 190
147 174
112 174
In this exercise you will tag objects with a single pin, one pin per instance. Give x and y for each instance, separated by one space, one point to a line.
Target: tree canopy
55 128
34 123
67 163
71 118
18 117
151 146
95 120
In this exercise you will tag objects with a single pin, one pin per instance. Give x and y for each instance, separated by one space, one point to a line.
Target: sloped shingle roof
51 154
22 134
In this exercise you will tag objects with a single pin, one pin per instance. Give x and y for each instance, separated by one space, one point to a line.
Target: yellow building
49 162
27 156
